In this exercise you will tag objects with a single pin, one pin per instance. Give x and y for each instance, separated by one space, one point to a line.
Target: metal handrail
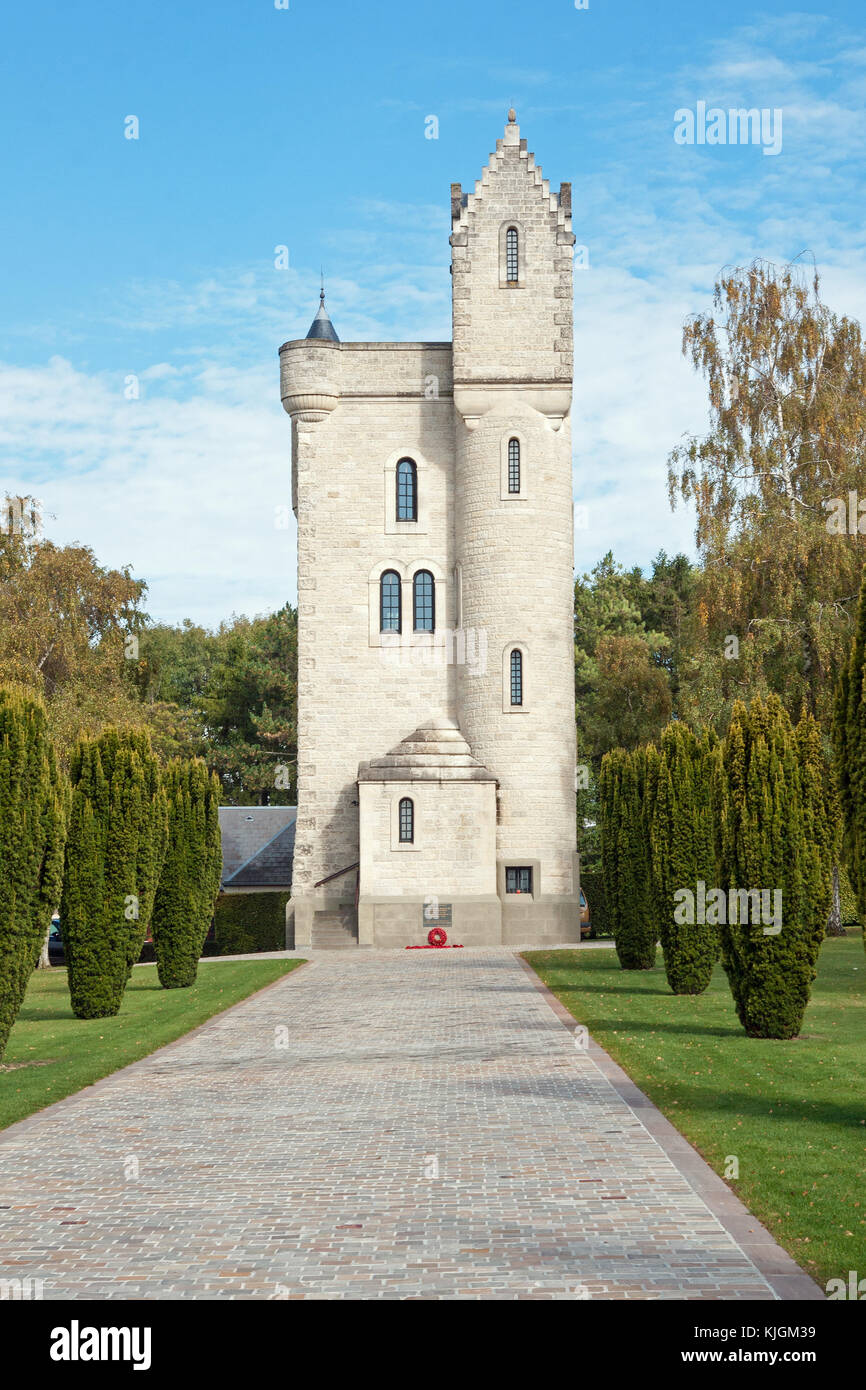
338 874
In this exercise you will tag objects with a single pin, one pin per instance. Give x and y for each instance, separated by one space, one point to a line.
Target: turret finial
321 327
512 116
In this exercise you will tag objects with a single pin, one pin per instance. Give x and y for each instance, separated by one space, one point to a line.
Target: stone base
393 921
481 921
539 922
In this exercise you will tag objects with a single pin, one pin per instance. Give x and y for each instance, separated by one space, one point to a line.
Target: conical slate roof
321 327
435 752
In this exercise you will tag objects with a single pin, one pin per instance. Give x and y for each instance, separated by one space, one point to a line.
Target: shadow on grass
624 1027
627 987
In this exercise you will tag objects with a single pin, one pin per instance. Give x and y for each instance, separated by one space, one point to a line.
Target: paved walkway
376 1125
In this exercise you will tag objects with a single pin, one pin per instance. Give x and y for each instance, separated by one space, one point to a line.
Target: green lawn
51 1053
794 1113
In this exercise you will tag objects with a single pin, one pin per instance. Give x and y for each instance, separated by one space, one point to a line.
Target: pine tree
625 857
114 853
849 739
33 809
681 832
768 810
190 879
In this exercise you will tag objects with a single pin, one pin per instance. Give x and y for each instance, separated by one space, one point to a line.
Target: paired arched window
514 465
407 490
423 602
389 602
517 677
407 821
511 256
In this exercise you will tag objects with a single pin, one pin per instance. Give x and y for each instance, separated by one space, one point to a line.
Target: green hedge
592 884
850 910
248 922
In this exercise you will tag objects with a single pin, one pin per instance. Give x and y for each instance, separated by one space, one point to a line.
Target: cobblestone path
377 1125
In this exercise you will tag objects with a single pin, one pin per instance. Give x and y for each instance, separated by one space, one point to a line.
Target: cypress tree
608 798
821 807
681 833
768 809
33 808
114 853
625 857
190 879
849 739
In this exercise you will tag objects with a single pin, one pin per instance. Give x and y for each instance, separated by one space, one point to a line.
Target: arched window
407 821
424 602
511 260
407 491
389 602
514 465
516 677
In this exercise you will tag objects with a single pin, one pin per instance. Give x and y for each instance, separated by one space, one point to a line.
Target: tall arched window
424 602
389 602
511 259
407 491
516 677
514 465
407 821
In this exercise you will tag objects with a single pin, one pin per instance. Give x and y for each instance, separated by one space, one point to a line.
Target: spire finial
512 116
321 327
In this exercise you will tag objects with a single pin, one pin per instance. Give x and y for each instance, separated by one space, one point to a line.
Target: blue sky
306 127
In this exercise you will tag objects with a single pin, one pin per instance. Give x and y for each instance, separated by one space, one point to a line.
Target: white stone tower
432 486
513 363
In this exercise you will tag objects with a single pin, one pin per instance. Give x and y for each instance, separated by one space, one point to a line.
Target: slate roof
258 846
321 327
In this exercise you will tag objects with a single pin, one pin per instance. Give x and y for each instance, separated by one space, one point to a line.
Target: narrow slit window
514 465
407 490
424 602
407 821
389 602
511 259
517 677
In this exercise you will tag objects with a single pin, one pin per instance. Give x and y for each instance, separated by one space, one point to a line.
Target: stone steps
334 931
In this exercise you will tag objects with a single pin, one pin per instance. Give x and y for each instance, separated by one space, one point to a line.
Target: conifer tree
679 811
821 808
33 808
849 738
767 809
625 857
190 879
114 854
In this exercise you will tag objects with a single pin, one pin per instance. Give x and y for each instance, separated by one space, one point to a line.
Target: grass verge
792 1114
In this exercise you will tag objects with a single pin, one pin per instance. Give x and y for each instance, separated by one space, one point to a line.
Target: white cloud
184 491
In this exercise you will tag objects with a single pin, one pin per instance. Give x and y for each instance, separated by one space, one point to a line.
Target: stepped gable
435 752
511 147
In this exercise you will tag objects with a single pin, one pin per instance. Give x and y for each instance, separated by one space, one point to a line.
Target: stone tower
432 487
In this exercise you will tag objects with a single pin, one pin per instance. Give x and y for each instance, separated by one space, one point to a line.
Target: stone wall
356 699
453 853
